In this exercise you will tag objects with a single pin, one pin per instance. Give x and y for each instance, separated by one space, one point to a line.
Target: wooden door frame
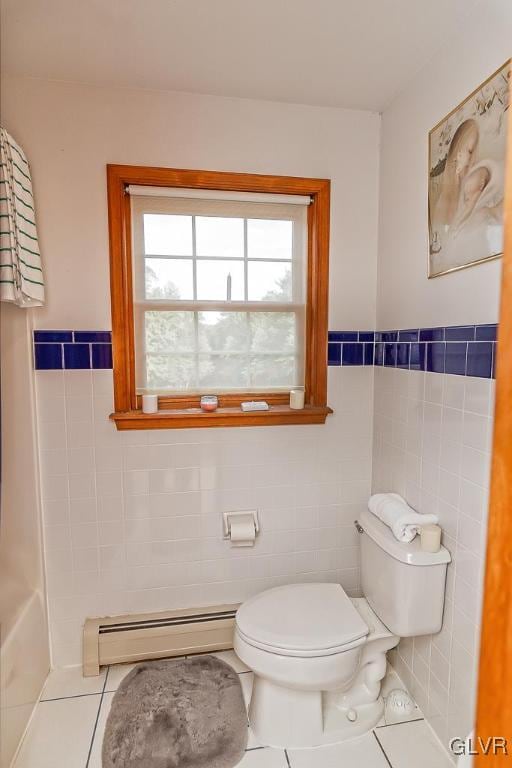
494 707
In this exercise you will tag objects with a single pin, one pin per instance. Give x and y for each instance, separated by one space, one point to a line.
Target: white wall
70 132
405 297
133 520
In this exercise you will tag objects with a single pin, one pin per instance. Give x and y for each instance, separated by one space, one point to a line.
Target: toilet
319 656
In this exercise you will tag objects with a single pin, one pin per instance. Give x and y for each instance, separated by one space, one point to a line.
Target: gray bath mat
178 713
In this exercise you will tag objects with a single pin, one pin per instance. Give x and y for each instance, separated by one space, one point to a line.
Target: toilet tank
404 585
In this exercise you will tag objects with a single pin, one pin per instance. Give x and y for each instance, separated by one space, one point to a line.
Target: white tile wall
432 437
133 520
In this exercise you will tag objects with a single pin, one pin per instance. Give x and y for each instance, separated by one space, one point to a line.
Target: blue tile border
464 350
72 350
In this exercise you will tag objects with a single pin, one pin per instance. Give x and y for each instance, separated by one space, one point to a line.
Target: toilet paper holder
243 516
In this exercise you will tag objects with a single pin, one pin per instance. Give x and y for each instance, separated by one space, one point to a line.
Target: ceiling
340 53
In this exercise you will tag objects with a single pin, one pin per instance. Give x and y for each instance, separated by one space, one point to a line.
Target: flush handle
359 528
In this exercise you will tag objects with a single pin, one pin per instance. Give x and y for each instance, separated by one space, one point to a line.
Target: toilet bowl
319 657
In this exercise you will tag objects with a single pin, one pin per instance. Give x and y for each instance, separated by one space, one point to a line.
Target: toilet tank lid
409 553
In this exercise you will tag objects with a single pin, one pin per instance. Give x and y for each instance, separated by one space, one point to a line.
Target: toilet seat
302 620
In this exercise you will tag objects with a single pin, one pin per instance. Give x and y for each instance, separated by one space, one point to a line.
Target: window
218 287
219 294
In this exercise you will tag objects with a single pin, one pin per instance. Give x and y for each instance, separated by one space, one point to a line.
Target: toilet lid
301 618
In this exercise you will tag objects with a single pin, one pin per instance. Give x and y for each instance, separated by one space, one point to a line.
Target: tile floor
67 730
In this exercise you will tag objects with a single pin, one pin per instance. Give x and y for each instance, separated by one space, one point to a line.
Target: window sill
222 417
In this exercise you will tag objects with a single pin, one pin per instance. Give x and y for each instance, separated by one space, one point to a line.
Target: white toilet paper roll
242 532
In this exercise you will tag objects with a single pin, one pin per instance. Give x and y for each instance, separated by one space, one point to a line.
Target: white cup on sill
149 403
297 399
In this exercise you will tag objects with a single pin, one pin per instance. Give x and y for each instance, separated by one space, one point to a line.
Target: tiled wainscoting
132 520
432 443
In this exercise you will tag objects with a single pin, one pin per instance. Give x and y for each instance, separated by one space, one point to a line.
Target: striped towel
21 273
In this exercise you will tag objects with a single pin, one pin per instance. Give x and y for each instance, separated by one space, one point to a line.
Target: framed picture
466 179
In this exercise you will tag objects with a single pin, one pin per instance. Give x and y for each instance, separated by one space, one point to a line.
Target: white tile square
78 383
52 409
102 383
433 388
83 510
78 408
477 396
473 499
60 734
412 745
82 486
364 751
116 674
476 431
63 683
108 458
80 460
49 384
80 434
109 485
263 758
453 393
475 466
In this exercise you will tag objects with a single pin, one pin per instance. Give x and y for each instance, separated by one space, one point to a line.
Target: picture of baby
466 179
471 189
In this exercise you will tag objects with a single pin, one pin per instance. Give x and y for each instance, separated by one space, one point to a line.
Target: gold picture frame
466 167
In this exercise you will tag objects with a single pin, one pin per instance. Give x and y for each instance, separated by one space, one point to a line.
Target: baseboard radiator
135 637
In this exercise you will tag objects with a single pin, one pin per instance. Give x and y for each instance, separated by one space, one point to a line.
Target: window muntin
219 295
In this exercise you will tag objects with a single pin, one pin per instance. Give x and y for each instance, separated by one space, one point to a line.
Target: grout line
382 750
73 696
97 718
401 722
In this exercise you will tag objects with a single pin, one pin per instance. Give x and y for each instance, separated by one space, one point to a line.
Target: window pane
213 281
273 331
270 281
269 239
216 236
169 332
167 235
223 371
223 332
170 372
273 371
169 279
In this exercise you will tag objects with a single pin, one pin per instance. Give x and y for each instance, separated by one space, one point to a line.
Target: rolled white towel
404 521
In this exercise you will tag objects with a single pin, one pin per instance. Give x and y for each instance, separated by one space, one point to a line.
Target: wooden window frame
183 410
